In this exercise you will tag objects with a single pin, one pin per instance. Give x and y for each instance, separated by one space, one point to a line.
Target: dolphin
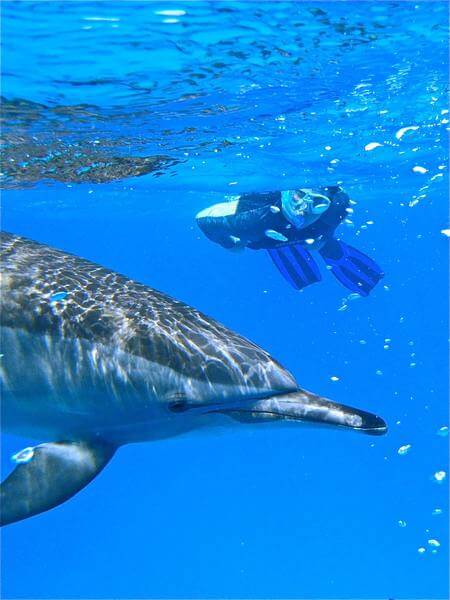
92 360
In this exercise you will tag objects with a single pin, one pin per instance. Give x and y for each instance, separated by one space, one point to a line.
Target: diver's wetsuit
290 227
253 217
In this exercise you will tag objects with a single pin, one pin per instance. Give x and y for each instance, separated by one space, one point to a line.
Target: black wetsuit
255 220
254 217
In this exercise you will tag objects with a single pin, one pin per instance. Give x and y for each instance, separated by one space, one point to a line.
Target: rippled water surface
252 92
120 121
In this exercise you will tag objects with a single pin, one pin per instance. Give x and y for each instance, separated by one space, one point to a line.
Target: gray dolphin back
58 294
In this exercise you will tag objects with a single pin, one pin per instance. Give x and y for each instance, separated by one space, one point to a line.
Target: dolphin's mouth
305 407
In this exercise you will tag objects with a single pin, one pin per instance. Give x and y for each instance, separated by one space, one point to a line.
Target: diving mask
302 207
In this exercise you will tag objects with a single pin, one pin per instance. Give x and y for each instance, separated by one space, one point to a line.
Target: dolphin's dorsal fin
48 475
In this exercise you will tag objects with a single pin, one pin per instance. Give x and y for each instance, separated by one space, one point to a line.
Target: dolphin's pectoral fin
48 475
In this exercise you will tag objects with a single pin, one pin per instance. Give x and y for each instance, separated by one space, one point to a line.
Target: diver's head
304 206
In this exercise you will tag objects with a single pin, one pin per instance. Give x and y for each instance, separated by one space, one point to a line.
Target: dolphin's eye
178 406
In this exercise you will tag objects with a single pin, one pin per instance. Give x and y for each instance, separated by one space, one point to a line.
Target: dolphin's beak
304 406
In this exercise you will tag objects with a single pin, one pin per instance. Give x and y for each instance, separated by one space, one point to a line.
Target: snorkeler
289 224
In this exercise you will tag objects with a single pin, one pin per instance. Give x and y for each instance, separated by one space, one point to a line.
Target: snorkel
303 207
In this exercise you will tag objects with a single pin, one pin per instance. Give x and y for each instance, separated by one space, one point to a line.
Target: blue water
120 123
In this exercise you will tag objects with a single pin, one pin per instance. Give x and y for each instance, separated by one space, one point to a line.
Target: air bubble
404 449
275 235
372 146
170 12
440 476
401 132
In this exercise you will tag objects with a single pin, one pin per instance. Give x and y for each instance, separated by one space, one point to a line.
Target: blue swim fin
296 265
353 269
